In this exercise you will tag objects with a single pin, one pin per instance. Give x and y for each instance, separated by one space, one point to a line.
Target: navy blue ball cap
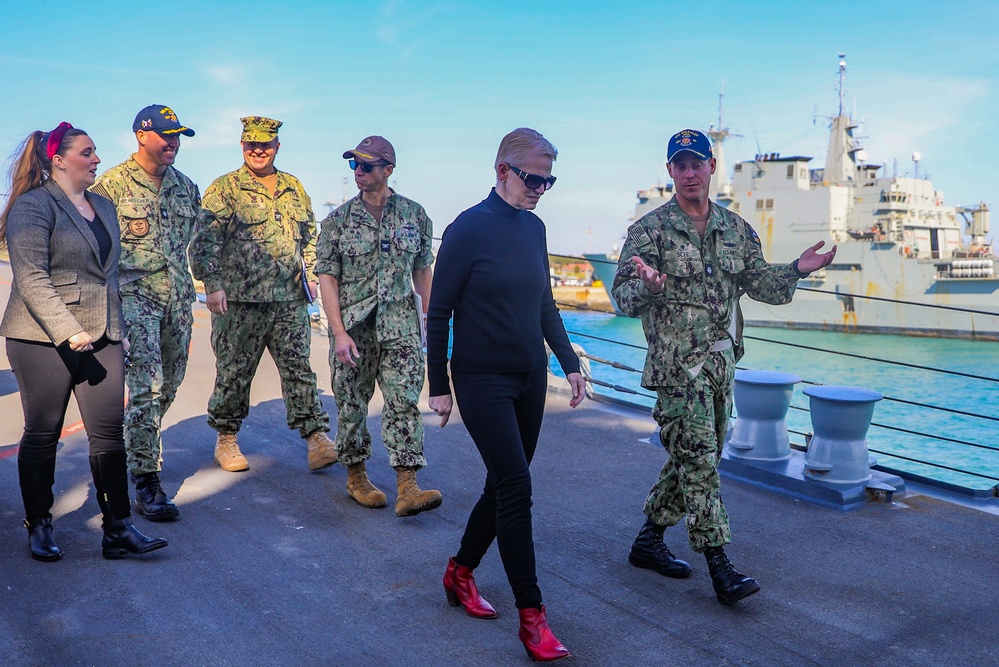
160 119
691 141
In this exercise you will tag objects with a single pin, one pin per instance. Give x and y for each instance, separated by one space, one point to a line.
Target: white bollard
841 417
762 399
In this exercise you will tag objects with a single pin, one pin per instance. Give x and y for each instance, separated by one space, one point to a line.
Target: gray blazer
60 287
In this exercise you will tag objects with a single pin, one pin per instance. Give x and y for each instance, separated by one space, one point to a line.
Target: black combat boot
648 551
36 479
151 500
730 586
111 483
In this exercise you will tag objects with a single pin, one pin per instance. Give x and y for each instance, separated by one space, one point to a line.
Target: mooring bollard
841 417
761 401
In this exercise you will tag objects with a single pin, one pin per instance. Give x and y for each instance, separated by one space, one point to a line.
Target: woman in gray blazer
64 327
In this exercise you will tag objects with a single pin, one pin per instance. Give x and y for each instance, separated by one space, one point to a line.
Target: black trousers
503 414
47 375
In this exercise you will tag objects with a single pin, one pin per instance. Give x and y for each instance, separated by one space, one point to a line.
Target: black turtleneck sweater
492 274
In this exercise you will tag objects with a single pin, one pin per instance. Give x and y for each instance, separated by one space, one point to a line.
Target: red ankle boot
541 644
461 589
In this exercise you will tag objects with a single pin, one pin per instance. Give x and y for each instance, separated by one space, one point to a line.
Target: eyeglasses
365 167
533 181
250 146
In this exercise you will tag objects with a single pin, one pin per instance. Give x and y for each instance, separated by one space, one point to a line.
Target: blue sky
607 83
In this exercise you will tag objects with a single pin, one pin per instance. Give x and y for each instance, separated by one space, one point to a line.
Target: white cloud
227 75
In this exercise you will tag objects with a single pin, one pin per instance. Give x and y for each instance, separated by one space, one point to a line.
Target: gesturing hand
653 280
811 260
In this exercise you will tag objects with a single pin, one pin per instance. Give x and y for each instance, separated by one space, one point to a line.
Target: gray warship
907 263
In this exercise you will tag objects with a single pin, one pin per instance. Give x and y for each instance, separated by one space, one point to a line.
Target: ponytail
31 165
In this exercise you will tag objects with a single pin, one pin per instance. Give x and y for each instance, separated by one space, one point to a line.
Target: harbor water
895 435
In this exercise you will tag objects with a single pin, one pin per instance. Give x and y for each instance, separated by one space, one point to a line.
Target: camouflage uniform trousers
159 338
399 369
693 420
239 338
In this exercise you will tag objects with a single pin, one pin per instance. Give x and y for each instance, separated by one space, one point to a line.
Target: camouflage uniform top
155 230
704 279
251 243
374 263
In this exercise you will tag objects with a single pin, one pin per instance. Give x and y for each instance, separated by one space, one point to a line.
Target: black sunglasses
533 181
251 146
365 167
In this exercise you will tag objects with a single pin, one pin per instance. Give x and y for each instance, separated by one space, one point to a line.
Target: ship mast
721 186
842 78
841 162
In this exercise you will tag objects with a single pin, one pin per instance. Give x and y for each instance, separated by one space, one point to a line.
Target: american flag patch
213 202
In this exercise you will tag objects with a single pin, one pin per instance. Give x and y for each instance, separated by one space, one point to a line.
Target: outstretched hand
812 260
653 280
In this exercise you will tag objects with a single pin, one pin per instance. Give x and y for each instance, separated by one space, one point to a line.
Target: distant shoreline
593 297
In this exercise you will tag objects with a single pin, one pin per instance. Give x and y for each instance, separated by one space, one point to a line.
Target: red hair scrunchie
55 138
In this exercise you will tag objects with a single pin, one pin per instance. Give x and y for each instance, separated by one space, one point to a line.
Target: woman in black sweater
492 275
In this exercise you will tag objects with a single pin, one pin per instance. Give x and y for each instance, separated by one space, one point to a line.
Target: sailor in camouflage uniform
682 270
156 207
254 247
373 251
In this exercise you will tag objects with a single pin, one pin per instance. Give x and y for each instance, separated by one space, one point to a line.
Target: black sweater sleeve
553 328
454 261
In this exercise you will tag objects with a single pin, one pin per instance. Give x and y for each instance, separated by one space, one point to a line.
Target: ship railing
989 482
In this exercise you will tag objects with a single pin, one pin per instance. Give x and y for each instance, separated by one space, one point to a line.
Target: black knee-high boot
37 478
110 473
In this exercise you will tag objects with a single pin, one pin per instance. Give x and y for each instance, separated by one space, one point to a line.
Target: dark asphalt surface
276 566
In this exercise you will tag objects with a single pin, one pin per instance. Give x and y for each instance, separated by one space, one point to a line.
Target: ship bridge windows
790 171
764 204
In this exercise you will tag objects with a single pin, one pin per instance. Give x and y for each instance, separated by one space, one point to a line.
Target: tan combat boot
322 454
227 454
412 499
361 490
